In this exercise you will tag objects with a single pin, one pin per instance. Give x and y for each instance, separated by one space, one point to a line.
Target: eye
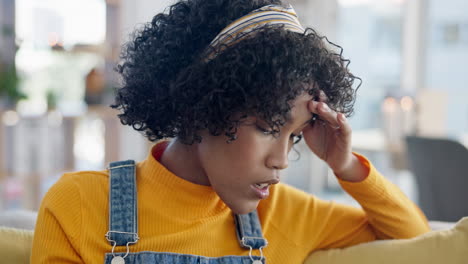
314 119
296 138
264 131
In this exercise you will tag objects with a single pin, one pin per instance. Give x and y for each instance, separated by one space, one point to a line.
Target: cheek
245 154
248 151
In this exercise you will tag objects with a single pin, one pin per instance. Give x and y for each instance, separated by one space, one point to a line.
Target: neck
183 161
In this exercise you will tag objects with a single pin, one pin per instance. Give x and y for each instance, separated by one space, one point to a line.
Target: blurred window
59 43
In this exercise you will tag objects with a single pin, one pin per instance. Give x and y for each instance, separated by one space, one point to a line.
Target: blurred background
411 115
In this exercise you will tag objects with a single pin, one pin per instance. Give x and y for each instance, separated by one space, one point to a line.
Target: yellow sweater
175 215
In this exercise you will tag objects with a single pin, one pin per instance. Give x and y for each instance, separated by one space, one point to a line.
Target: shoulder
65 202
301 218
287 214
69 191
285 201
283 194
80 181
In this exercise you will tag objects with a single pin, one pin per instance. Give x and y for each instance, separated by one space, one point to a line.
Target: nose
278 157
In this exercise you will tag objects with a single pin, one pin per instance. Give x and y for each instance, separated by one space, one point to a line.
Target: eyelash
269 133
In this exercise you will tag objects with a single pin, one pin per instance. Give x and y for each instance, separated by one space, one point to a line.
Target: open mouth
261 190
261 185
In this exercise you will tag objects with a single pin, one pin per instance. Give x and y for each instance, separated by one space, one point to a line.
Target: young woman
225 88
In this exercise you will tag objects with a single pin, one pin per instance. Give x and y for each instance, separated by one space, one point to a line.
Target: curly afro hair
170 90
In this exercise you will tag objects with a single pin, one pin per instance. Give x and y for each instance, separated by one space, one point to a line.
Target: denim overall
123 227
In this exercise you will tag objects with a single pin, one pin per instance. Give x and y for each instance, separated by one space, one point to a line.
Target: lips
270 182
261 188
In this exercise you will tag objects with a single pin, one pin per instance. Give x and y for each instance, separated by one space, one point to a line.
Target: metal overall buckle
119 259
251 248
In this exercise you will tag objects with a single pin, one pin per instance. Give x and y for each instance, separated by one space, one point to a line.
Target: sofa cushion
442 246
15 245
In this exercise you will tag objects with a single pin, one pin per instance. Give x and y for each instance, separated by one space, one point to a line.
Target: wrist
355 171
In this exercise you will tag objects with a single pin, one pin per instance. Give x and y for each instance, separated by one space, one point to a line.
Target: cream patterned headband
267 15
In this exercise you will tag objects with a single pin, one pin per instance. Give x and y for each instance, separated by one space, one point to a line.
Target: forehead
299 111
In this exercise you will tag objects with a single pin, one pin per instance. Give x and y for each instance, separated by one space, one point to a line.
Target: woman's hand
329 137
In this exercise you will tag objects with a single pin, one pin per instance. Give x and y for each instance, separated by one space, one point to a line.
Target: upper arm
341 225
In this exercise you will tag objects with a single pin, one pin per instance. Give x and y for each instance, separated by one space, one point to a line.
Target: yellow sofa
15 245
444 246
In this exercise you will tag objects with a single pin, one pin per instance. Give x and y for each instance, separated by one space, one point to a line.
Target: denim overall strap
249 231
123 227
